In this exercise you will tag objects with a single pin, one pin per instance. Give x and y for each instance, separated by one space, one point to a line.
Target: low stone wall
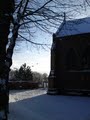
22 85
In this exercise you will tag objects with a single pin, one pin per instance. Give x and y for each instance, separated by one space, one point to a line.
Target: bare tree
20 18
32 14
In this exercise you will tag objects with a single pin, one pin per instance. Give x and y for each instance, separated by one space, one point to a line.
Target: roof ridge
74 27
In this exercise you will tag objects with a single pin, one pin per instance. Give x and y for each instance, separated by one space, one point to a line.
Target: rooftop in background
74 27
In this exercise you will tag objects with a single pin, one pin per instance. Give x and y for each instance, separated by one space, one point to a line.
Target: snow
74 27
16 95
37 105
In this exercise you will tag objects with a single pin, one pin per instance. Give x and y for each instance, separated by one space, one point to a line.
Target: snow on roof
74 27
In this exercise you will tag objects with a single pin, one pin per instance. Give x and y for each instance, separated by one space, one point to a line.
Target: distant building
70 57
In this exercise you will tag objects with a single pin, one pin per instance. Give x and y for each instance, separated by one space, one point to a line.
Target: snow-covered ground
17 95
37 105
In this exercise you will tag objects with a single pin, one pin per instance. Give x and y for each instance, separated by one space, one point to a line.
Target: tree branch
35 43
31 13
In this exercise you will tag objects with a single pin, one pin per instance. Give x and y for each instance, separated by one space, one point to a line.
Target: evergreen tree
24 73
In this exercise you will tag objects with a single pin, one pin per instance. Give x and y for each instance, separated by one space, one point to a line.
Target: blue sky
36 57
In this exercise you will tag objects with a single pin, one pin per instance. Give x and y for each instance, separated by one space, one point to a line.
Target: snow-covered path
37 105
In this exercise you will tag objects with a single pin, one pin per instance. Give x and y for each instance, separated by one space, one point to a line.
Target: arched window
71 60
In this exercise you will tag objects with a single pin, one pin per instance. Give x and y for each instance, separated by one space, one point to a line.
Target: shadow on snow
46 107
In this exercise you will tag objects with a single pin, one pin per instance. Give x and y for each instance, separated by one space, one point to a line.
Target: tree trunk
4 72
5 19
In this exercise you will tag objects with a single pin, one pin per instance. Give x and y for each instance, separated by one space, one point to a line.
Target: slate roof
74 27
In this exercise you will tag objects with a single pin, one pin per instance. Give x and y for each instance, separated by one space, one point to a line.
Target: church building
70 58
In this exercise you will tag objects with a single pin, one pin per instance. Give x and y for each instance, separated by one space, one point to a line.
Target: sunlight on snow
17 95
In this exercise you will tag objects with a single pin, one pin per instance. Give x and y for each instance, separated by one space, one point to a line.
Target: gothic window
71 60
86 58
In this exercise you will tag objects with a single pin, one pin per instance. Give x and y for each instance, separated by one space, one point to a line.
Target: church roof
74 27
